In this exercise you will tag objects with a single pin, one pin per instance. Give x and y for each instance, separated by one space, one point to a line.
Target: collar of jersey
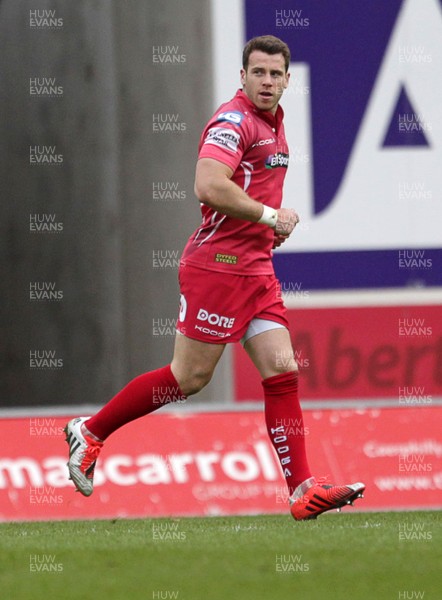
273 120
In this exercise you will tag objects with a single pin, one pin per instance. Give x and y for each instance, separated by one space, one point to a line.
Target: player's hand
286 222
278 240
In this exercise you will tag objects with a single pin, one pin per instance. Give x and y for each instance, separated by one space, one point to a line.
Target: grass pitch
339 556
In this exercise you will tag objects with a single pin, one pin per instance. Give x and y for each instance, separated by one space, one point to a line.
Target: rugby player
229 292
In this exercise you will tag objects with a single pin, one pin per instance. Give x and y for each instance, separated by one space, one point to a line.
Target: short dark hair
268 44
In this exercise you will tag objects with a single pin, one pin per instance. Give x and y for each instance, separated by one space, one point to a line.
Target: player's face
265 79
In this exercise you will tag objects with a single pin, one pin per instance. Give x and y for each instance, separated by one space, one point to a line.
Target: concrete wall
112 261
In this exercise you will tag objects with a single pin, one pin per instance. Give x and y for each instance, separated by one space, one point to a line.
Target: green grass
339 556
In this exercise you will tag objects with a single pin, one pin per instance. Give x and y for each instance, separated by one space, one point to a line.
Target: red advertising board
219 464
359 352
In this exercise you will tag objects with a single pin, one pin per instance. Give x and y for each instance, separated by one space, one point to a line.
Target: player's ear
286 80
243 76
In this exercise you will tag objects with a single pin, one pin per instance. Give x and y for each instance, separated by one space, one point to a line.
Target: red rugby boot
316 497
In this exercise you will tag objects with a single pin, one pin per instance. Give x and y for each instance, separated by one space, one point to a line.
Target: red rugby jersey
252 143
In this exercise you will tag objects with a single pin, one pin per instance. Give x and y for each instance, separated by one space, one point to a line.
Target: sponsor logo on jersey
223 138
232 116
228 259
280 159
264 142
214 319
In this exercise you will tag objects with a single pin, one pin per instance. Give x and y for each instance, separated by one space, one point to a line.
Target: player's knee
195 380
285 366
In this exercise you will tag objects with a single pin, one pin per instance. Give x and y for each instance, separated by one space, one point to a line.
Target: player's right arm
214 187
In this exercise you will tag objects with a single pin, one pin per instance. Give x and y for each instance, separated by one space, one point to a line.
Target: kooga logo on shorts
214 319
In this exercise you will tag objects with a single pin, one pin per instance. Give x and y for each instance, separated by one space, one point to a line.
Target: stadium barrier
183 464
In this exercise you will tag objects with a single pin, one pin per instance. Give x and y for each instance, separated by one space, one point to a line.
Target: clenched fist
286 222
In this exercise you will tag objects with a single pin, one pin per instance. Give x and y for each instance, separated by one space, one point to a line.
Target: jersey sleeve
226 137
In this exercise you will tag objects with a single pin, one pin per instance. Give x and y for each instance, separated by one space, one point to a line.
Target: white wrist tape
269 216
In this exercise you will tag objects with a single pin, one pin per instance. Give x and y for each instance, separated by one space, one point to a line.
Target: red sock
285 426
141 396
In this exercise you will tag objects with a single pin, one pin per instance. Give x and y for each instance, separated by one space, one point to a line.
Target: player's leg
194 362
271 352
191 369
